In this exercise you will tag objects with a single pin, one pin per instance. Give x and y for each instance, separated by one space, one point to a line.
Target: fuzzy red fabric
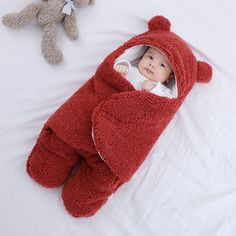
125 123
88 189
51 160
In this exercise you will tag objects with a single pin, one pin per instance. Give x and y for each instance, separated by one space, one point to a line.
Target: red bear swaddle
109 120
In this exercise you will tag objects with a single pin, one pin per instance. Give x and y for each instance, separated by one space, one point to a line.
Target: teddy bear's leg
70 26
51 160
85 192
49 48
17 20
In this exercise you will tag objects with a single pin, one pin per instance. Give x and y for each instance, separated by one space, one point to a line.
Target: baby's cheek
163 77
140 69
156 77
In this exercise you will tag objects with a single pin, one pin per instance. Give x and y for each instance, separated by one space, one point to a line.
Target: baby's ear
159 23
204 72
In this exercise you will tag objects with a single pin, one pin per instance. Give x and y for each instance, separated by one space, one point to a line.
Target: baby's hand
147 85
122 69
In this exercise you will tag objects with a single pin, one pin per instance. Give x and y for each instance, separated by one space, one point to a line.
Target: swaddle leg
51 160
88 189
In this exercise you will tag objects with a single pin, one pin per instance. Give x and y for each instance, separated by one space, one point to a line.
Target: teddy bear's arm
17 20
70 26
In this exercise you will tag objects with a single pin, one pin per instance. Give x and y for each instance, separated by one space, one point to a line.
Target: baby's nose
152 65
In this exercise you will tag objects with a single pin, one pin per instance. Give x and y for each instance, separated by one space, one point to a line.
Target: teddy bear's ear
204 72
159 23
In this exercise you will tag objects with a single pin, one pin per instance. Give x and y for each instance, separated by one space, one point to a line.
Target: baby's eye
162 65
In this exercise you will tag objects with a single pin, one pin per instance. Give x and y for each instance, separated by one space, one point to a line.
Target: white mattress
187 185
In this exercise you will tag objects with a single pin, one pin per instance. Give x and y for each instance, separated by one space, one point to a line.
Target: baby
152 74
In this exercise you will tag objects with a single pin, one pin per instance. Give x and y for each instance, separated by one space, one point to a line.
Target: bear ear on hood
159 23
204 72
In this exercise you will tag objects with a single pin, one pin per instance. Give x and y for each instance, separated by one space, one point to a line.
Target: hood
187 69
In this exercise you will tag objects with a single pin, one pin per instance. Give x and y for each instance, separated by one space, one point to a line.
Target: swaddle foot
89 188
51 160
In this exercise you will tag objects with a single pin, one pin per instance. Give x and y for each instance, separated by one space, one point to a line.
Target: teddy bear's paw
73 35
56 57
11 20
53 56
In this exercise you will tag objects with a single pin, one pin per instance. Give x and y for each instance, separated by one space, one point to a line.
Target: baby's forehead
157 52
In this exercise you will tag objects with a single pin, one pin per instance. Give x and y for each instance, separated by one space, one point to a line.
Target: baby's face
155 66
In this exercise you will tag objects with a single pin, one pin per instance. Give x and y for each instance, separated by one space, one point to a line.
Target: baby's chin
148 76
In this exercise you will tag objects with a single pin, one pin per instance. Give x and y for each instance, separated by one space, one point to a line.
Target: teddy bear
48 14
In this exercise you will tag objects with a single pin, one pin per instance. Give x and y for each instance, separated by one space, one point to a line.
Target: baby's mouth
148 71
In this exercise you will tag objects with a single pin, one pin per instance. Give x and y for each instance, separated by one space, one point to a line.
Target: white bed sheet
187 185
